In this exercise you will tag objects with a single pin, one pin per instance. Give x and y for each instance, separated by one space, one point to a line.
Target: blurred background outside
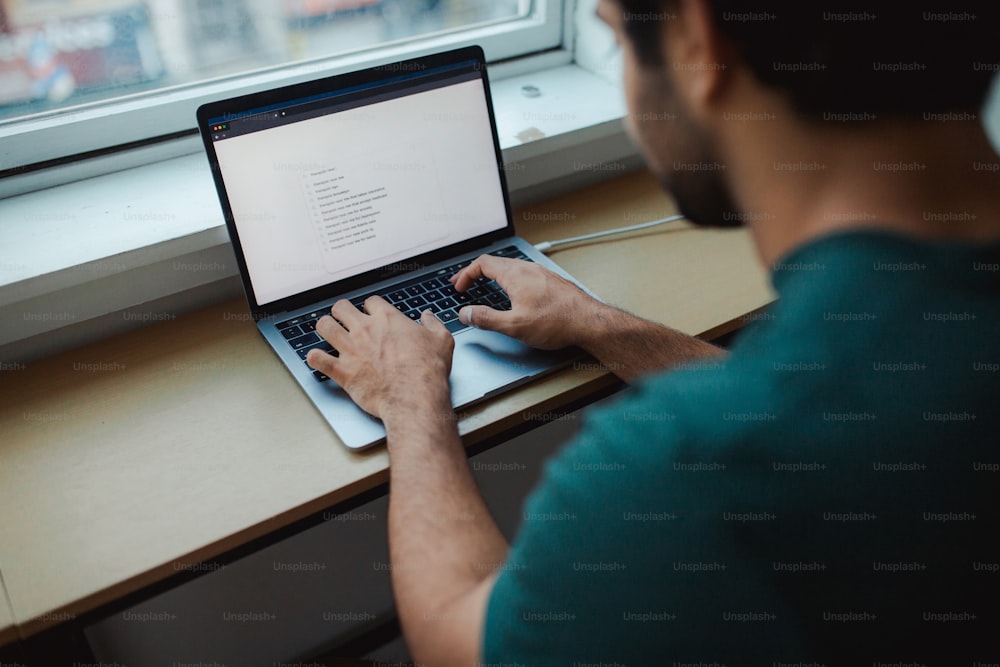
55 54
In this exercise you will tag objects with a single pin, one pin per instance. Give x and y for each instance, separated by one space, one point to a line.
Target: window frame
34 144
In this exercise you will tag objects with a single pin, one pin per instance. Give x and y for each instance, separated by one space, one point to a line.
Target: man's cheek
645 139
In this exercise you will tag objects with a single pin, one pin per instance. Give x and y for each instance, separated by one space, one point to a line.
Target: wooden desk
126 461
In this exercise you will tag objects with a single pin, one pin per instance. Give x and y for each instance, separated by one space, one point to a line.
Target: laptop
383 181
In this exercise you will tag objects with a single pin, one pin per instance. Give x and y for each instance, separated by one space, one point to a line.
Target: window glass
55 54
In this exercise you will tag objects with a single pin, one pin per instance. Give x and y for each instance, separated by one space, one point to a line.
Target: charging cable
546 246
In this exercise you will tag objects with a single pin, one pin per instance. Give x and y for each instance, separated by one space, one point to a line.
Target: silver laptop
385 181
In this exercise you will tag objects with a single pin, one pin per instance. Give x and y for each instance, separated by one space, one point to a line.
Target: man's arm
443 544
550 312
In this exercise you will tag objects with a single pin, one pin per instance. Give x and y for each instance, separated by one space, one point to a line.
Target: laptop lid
331 185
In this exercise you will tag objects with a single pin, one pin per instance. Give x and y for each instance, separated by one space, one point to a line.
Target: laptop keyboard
431 291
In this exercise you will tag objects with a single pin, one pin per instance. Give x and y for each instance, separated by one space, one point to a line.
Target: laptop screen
327 187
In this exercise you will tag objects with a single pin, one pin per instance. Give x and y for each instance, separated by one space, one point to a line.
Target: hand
386 361
547 311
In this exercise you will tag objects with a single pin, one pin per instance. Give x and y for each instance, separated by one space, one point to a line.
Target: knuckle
482 315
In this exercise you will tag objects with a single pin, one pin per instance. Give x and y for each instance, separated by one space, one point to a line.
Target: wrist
416 404
601 321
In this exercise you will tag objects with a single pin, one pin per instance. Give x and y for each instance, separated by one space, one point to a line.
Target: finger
375 303
346 314
432 323
485 266
331 331
324 363
484 317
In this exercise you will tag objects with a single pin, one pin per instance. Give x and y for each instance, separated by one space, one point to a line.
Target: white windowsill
102 255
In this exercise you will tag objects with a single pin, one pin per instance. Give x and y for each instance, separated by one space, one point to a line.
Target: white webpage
330 197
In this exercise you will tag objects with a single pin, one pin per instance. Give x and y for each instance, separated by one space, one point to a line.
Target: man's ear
698 54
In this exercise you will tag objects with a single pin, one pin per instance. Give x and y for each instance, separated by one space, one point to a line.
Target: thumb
483 317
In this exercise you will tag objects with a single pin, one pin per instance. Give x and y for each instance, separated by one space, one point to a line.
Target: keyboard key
477 292
455 268
510 251
289 323
308 326
415 290
447 316
495 299
447 290
359 303
433 283
455 326
320 377
413 315
462 298
416 302
397 296
401 307
304 341
447 303
432 296
324 346
291 332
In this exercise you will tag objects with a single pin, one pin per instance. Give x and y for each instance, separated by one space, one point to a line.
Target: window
82 76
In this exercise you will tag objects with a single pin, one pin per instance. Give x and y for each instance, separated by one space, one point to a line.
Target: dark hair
892 57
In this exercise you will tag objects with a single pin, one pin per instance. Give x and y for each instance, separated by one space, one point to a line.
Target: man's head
820 61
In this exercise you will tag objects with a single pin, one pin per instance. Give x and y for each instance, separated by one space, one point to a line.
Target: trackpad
486 361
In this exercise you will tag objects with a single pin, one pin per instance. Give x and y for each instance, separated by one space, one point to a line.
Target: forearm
443 542
630 346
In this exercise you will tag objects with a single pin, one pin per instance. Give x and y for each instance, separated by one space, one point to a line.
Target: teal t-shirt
826 495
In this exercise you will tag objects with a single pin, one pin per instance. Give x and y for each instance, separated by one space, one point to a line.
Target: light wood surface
126 460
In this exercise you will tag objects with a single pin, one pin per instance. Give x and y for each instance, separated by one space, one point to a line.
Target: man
847 499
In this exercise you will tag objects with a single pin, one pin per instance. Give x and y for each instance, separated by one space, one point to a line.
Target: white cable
546 246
